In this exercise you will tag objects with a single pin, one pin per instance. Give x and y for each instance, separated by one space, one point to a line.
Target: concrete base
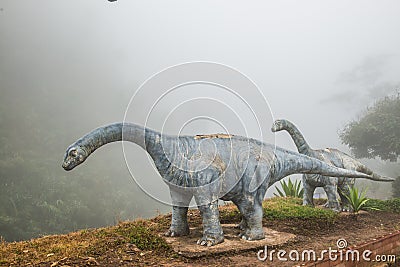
186 245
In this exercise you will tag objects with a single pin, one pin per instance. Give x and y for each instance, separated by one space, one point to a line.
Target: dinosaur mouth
67 167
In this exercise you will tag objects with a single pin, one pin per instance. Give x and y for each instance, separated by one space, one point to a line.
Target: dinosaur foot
241 226
335 207
209 241
347 209
249 236
177 232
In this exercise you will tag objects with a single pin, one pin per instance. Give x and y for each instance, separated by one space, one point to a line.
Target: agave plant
357 200
290 189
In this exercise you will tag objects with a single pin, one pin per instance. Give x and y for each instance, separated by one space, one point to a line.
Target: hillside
140 242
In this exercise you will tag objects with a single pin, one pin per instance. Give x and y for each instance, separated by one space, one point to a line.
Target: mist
67 67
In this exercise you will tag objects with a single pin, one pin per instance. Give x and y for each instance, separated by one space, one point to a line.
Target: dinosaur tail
291 163
288 162
352 164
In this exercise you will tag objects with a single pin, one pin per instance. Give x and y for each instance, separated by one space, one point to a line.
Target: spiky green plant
357 200
290 189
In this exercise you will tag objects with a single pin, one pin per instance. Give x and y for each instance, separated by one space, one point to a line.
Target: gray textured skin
227 167
333 186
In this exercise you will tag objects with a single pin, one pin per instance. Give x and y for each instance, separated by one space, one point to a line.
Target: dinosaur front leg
179 224
331 193
212 230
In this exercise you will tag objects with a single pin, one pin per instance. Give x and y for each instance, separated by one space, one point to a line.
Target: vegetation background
37 197
67 67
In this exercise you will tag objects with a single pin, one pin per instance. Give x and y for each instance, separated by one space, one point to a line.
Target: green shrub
144 237
391 205
290 189
229 215
291 208
357 200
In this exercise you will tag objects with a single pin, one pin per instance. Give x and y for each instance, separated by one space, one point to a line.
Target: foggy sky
319 63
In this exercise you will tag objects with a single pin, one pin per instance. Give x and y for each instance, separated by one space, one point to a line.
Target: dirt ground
187 245
355 229
302 234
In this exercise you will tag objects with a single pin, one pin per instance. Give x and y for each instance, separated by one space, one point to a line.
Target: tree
377 133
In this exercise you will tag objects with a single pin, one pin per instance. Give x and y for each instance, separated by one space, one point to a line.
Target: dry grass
118 241
140 242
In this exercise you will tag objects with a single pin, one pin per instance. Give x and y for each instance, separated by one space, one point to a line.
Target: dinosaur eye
73 153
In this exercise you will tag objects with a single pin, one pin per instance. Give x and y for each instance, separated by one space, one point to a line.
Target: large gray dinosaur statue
208 168
333 186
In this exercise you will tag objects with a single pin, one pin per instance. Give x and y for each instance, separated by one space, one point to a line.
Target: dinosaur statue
208 168
333 186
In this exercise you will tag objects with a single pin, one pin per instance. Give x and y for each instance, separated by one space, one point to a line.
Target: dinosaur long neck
298 138
116 132
288 162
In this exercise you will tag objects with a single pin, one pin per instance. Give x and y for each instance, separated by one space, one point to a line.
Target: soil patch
187 247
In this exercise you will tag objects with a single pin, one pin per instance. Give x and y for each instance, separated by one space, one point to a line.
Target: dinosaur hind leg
343 190
252 211
308 193
333 202
243 223
212 230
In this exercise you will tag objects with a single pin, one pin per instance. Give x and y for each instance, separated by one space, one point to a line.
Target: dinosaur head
74 156
278 125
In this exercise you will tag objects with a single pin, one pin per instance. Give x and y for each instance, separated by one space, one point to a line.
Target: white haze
319 63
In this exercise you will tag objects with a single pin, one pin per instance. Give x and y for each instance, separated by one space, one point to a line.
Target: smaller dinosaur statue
333 186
